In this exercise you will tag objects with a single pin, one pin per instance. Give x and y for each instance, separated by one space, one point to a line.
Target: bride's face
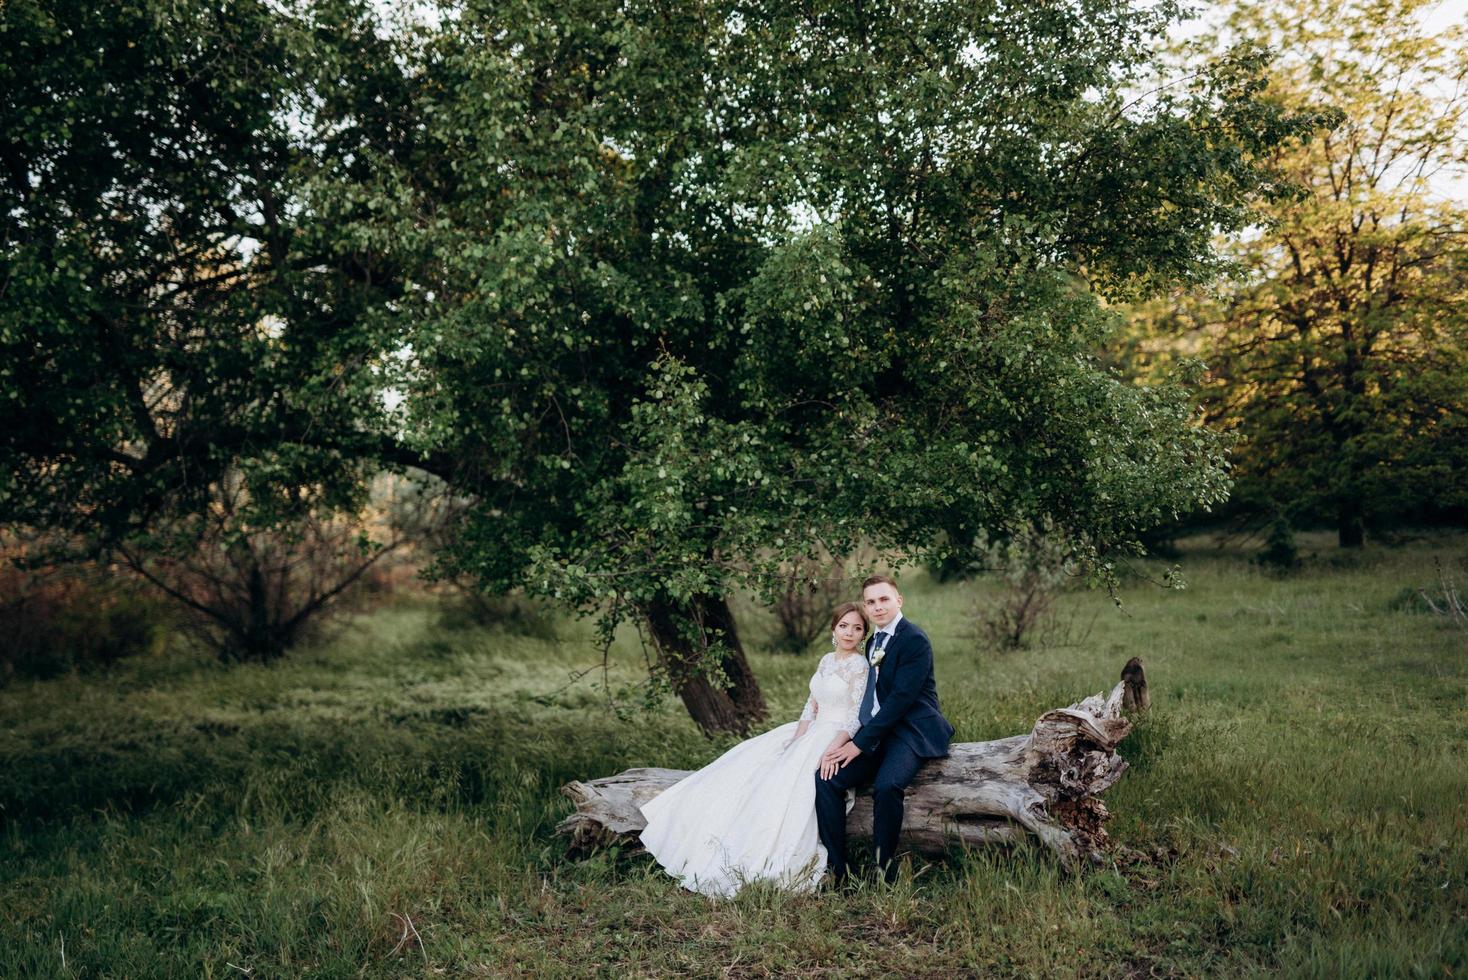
850 631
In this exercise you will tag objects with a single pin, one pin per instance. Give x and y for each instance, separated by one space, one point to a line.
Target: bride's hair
846 607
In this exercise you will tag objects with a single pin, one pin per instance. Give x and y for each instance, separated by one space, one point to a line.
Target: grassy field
1301 787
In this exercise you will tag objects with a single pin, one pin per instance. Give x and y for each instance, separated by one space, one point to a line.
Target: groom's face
882 602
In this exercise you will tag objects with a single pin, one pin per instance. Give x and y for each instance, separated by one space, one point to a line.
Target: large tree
707 284
1339 348
672 291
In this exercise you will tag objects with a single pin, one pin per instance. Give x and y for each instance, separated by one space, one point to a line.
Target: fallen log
1044 785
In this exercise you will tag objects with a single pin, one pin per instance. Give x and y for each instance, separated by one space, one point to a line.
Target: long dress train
750 814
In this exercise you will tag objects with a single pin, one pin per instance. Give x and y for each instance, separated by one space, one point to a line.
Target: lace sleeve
856 689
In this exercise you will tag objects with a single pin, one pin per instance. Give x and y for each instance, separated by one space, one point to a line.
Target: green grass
1301 789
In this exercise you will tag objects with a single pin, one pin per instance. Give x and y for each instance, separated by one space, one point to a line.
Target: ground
383 804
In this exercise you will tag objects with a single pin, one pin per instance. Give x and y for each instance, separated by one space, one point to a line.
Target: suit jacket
907 697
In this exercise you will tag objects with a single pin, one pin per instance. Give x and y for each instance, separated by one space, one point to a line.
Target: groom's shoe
887 873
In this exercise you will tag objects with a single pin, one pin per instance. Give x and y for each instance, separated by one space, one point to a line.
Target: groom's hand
843 755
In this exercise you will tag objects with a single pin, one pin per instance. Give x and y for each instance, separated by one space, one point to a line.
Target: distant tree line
1337 346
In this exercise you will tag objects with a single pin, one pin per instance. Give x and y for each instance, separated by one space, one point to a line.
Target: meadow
383 804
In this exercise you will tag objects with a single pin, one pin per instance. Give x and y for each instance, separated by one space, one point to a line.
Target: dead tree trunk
1044 784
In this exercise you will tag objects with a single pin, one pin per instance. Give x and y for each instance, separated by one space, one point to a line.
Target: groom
900 727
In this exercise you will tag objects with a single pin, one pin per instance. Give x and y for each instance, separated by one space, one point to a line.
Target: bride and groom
773 808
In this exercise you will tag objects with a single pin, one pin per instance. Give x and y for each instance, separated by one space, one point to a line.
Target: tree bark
1044 785
682 632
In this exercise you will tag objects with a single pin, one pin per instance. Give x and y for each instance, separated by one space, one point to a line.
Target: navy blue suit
907 728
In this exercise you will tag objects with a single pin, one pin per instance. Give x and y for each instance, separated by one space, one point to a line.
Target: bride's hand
831 759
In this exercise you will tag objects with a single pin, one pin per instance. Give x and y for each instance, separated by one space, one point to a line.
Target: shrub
1442 598
1032 565
251 593
59 618
1280 555
809 588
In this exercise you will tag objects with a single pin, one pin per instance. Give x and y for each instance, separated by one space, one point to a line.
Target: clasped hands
836 757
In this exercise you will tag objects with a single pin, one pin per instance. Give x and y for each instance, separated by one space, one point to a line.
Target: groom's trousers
889 769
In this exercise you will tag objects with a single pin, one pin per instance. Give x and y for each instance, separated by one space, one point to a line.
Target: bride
750 814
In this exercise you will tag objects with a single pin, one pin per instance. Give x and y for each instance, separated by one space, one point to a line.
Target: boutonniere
878 657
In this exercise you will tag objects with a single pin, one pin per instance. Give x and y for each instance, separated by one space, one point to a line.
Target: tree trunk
1043 784
1351 523
260 639
682 632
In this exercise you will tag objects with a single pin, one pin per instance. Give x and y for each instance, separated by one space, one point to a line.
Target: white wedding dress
750 815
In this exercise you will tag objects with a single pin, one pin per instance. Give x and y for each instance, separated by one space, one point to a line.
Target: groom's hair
879 580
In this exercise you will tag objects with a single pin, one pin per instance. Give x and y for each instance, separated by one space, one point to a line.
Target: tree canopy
672 291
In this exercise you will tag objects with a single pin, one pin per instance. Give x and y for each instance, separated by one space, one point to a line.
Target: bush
1442 599
1280 555
251 593
1033 565
1408 599
809 588
63 618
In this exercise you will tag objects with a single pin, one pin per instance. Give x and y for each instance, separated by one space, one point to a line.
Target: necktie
869 696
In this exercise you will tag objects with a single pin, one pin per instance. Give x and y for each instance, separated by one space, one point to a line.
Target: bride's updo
849 607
